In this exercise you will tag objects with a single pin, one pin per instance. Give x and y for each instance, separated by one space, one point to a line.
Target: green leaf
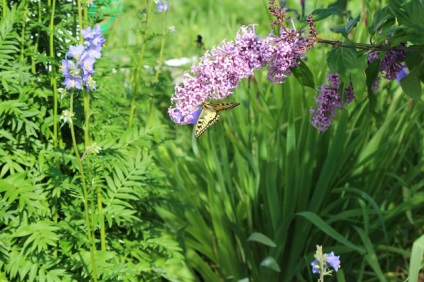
411 83
271 263
350 66
261 238
304 75
371 73
346 28
415 263
327 229
381 18
320 14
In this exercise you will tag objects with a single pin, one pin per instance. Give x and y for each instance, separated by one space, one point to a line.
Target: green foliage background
249 201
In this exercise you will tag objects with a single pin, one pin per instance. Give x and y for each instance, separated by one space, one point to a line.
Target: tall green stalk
135 79
85 191
37 40
160 61
23 31
53 81
87 142
4 8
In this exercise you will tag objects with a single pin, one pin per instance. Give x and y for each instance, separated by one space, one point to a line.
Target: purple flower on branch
220 70
328 101
391 64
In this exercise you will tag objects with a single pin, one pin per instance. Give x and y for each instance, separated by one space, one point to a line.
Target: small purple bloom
87 65
315 266
72 82
333 261
328 101
76 52
192 117
391 64
330 260
161 6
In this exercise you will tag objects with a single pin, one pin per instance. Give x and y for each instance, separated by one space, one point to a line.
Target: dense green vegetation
122 193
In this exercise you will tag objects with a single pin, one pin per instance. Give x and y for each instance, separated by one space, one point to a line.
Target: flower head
328 101
391 64
221 69
323 261
78 65
333 261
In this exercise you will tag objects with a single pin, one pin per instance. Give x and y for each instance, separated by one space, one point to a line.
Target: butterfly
209 115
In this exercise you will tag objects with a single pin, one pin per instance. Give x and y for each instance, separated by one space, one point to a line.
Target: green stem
87 142
362 46
23 32
80 19
36 48
85 191
53 81
162 47
4 8
135 79
160 62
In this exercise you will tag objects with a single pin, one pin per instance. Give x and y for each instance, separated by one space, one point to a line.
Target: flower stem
135 78
53 81
160 62
85 192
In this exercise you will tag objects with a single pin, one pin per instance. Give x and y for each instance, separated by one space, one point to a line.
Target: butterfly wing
224 106
210 115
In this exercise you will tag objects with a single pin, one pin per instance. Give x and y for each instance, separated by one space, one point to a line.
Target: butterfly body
210 115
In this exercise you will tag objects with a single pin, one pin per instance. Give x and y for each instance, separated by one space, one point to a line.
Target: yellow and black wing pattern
210 114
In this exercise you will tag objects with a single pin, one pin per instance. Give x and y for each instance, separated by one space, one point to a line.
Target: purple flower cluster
220 70
330 259
391 64
328 101
79 71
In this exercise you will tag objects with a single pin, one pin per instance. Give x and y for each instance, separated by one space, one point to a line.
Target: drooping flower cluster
78 65
328 101
220 70
323 262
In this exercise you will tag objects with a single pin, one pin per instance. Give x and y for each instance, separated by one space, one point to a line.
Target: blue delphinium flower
78 65
161 6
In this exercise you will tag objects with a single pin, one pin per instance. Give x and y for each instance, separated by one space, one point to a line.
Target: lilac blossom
328 101
221 69
78 65
391 64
